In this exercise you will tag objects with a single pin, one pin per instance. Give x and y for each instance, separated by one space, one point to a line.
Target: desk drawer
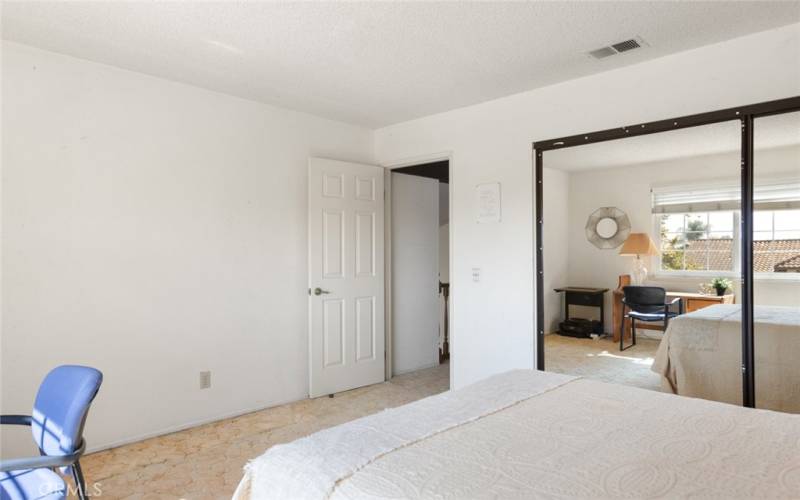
584 299
695 304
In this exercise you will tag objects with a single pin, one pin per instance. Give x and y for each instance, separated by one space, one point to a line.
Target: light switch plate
476 274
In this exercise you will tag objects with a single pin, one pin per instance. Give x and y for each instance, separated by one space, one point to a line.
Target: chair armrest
679 301
47 461
15 420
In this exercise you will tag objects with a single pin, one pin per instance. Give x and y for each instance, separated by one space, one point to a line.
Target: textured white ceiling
377 63
769 132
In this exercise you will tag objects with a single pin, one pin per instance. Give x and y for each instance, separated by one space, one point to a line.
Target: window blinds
771 195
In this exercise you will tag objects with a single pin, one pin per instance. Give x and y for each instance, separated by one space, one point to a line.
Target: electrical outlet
205 380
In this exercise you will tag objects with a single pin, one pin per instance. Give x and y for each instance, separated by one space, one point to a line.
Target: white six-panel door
346 275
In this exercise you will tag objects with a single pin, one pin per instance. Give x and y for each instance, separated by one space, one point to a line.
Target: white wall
493 319
153 230
556 234
628 188
415 271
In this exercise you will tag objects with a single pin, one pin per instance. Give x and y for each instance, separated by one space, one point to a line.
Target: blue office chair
646 303
57 422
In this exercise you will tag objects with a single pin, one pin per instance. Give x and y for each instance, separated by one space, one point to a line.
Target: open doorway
419 285
379 264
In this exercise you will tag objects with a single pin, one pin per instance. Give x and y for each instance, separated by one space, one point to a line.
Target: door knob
320 291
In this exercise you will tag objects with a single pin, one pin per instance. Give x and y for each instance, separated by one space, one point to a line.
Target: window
698 228
698 241
776 241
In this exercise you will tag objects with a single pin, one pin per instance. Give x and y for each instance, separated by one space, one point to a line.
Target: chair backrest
645 299
61 406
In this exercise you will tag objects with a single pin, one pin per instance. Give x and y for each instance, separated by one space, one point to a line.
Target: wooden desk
691 302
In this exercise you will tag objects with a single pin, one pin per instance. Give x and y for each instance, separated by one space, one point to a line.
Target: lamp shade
638 244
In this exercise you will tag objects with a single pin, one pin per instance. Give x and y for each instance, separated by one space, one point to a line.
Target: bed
700 356
528 434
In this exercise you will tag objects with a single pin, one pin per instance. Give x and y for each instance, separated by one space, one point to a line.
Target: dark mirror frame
746 115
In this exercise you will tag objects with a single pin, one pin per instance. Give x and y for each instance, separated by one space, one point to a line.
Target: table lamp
638 244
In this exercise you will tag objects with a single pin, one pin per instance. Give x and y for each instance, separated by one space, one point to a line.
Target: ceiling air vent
618 48
626 45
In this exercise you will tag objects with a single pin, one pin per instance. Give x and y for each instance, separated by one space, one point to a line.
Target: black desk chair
645 303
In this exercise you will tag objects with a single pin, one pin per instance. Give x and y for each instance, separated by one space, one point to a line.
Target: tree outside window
697 241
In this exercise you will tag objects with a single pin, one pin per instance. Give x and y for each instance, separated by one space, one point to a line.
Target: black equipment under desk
584 296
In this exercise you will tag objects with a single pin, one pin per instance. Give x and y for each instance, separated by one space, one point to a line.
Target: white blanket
593 440
571 438
701 356
310 468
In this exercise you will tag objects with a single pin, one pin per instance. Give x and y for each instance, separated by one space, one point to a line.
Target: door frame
387 228
746 115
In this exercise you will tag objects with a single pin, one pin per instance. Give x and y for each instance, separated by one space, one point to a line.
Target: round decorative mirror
608 227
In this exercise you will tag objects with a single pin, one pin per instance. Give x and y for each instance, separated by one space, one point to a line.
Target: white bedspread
570 438
701 356
310 467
